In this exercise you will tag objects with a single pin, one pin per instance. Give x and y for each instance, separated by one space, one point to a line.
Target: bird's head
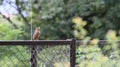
38 28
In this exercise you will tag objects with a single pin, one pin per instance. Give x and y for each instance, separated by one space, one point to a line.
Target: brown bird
34 48
36 34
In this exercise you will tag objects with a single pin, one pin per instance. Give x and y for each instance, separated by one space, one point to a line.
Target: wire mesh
34 55
42 53
53 56
97 53
50 55
14 56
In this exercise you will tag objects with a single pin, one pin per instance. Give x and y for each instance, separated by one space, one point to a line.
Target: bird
36 34
34 48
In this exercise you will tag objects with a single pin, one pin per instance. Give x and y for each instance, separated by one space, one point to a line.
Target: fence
33 53
34 44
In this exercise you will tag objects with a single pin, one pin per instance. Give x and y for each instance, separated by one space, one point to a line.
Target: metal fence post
33 58
73 53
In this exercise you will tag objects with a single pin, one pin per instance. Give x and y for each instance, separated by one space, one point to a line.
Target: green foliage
8 53
8 33
13 56
53 54
80 32
62 19
91 56
112 47
55 16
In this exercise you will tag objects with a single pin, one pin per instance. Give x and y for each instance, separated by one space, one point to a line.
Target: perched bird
34 48
36 34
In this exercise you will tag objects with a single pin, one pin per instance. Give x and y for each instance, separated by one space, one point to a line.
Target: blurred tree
55 17
92 19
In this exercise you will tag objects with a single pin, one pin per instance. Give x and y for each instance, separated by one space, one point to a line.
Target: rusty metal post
73 53
33 56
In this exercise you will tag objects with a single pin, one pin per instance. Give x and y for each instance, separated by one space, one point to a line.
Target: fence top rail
99 42
35 42
50 42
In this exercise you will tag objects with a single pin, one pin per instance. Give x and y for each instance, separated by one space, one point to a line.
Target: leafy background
63 19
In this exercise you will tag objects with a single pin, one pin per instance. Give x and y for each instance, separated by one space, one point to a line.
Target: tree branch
20 12
9 20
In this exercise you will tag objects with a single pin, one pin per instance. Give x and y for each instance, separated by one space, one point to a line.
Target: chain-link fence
97 53
59 53
14 56
43 53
